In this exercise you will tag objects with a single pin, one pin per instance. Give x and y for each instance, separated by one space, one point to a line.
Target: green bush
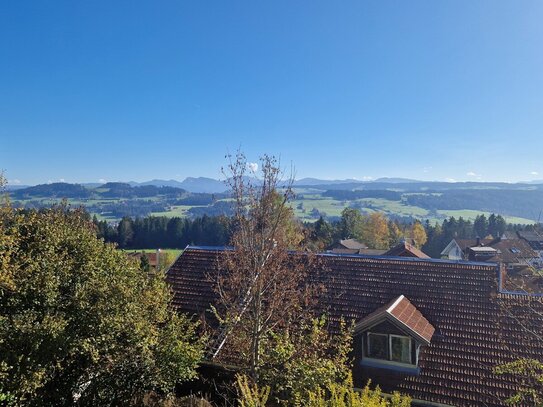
78 321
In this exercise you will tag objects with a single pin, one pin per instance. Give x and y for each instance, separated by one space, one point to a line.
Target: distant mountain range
213 186
191 184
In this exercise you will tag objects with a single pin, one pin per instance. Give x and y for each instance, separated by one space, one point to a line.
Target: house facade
513 253
433 329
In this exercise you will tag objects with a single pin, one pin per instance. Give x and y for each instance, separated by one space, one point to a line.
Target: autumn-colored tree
375 231
263 288
418 233
395 233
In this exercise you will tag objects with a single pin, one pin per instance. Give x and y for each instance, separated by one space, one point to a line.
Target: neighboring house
367 252
151 257
535 240
347 246
433 329
514 253
405 249
456 249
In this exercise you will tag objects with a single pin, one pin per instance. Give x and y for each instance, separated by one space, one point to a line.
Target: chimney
478 243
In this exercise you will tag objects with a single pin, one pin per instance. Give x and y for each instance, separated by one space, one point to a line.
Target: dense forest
158 231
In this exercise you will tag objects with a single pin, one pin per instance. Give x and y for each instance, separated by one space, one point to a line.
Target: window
393 348
378 346
400 349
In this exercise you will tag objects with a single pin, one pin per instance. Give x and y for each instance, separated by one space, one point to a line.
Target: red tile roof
150 256
405 249
476 326
351 244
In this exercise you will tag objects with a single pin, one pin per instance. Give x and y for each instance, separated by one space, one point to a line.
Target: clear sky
135 90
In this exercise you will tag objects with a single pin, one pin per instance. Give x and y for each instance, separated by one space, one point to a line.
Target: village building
535 240
152 257
514 253
406 249
347 246
434 329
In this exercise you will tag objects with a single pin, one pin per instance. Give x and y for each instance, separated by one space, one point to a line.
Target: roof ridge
372 257
398 300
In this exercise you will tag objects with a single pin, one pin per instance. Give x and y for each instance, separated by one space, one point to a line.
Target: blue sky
135 90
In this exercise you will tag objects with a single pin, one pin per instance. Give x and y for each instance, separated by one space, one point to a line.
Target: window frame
390 336
388 348
366 350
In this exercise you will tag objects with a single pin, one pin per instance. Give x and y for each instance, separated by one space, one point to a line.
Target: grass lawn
172 252
329 206
176 211
472 214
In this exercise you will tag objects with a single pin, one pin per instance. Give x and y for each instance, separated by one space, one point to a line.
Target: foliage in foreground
299 361
344 395
250 394
329 395
78 321
530 372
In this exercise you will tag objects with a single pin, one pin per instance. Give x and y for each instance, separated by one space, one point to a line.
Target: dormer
392 336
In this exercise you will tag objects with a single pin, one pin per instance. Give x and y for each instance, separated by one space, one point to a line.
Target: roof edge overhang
385 316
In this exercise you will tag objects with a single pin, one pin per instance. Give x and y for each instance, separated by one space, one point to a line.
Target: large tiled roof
476 326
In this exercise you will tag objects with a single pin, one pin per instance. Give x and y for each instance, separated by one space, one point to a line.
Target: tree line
375 230
159 231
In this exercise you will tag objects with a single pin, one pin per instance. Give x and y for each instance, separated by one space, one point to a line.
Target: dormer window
392 335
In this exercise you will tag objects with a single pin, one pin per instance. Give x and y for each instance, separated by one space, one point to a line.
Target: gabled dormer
391 337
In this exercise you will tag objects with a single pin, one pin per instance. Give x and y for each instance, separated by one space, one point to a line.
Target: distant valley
396 197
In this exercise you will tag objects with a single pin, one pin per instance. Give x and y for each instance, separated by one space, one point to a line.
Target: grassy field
305 203
472 214
172 252
324 205
178 210
308 199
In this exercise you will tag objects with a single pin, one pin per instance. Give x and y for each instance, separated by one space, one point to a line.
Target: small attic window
389 347
515 250
378 347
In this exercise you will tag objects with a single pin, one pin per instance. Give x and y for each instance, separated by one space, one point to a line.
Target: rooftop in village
432 328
